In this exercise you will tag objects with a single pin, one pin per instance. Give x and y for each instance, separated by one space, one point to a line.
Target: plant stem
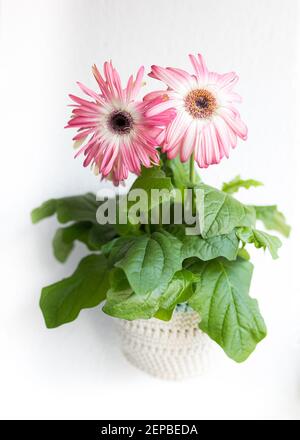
192 179
160 217
147 228
192 168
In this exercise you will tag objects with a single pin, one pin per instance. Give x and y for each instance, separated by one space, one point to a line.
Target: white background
77 371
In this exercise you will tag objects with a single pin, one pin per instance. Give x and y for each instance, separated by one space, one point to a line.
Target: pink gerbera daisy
207 123
114 132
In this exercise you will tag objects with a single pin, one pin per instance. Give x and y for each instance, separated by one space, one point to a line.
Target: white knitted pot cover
169 350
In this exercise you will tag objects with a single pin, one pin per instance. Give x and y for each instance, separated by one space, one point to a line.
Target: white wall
46 45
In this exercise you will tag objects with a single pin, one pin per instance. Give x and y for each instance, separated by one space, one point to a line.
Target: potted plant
168 259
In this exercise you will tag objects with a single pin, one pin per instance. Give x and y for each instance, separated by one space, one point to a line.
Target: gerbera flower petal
234 97
169 77
163 105
156 94
82 134
137 83
199 67
223 136
216 151
235 123
101 82
200 150
173 151
188 143
228 80
90 92
176 130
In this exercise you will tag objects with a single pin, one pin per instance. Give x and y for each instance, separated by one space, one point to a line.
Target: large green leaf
207 249
222 213
152 261
123 303
68 209
64 238
228 314
235 184
82 211
260 239
273 219
62 302
92 235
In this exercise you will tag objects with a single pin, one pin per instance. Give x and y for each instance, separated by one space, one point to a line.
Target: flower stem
192 168
192 179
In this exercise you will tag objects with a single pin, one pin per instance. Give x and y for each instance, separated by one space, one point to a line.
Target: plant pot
169 350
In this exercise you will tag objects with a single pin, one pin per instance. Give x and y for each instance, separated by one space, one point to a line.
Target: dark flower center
120 122
200 103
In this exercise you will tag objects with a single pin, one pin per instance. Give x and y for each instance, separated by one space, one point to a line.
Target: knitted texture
169 350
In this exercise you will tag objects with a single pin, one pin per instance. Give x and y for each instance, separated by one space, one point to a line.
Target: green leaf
127 229
260 239
164 315
273 219
235 184
123 303
243 253
207 249
154 172
152 261
150 183
180 173
47 209
99 235
63 241
178 230
153 178
222 213
76 208
179 290
117 249
62 302
228 314
81 210
92 235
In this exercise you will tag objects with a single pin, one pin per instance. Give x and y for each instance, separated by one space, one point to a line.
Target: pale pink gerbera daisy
116 134
207 122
